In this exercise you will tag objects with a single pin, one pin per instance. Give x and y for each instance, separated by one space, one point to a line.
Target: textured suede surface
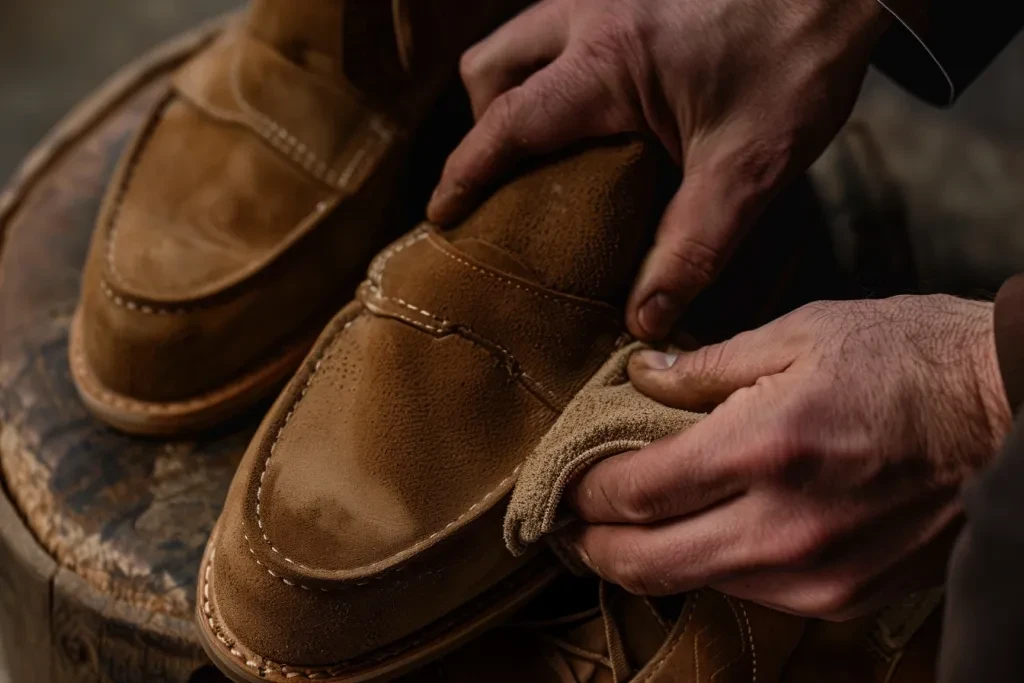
379 479
250 203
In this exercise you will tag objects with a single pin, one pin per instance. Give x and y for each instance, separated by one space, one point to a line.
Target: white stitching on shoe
753 650
517 285
280 137
267 129
377 270
659 663
265 664
744 625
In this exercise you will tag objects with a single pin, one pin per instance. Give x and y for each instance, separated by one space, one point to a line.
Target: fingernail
658 314
656 360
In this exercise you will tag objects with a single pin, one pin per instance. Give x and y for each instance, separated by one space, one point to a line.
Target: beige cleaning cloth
607 417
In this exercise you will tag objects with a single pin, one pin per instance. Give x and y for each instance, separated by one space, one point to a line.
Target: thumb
717 202
696 380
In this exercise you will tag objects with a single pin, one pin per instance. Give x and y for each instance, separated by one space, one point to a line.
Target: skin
825 480
744 94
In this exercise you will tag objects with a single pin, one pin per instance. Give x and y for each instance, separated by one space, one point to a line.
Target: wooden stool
100 534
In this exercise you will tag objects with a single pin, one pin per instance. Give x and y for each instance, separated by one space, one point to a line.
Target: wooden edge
26 573
42 605
86 115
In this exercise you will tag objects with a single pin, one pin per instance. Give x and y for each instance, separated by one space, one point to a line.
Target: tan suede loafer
246 210
362 534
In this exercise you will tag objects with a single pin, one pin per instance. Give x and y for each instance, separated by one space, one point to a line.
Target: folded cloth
607 417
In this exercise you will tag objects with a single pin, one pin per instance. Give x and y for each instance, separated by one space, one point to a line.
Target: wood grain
100 534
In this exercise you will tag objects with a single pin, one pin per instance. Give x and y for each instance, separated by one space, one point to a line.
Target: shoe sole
154 418
487 610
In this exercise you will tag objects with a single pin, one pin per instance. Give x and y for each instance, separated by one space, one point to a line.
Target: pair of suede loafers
364 535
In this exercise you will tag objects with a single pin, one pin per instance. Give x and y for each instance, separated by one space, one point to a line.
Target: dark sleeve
938 49
983 632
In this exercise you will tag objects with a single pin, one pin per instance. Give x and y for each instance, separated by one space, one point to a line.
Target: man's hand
827 479
744 94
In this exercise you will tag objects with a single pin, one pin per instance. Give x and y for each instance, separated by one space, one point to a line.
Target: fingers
728 180
699 379
537 117
508 56
897 557
670 558
672 477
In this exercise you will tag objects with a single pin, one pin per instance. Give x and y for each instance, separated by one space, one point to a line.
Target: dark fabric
963 37
1009 331
983 637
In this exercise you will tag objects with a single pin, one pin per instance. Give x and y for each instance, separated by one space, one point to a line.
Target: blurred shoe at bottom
589 631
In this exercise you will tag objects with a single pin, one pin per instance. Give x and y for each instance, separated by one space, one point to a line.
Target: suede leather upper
247 208
378 479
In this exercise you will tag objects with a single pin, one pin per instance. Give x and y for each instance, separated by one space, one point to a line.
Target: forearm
939 47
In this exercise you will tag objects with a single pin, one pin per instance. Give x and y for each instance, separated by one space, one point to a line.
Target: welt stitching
80 368
82 373
675 646
292 672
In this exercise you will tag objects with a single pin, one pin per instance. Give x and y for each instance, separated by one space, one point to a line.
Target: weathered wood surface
100 534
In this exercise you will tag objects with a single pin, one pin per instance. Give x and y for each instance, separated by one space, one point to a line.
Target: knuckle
754 167
764 161
699 369
805 547
502 116
697 260
470 66
613 35
640 499
781 447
